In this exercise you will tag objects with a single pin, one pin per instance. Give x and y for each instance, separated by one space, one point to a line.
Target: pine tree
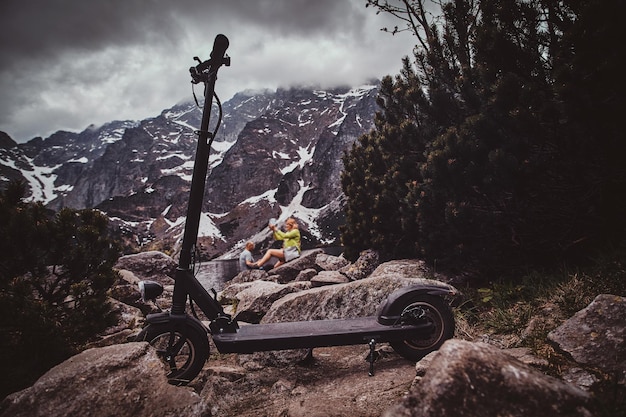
508 119
55 271
480 173
378 171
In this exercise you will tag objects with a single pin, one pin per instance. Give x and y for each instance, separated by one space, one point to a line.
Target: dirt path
335 383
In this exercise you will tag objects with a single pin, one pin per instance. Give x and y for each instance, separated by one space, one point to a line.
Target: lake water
213 274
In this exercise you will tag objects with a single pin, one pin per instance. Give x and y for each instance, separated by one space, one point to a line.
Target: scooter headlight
150 290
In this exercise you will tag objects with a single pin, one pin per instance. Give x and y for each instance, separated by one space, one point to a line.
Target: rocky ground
334 383
474 374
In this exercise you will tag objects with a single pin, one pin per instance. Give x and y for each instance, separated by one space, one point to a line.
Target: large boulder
354 299
153 265
596 336
120 380
328 278
328 262
408 268
288 272
350 300
475 380
253 299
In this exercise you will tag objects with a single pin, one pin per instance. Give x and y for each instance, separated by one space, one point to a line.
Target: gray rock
354 299
257 298
327 262
422 366
248 276
127 294
582 378
299 285
476 380
129 318
306 275
525 356
363 267
407 268
328 278
290 270
228 372
229 294
127 277
596 336
120 380
123 336
153 265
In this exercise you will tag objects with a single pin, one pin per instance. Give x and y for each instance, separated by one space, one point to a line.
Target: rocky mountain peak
276 154
6 142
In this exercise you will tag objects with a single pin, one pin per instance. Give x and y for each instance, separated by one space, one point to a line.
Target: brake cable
220 114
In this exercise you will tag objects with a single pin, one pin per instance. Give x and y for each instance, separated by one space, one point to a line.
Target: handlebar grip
219 47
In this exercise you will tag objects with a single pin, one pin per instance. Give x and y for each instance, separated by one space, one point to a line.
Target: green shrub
55 271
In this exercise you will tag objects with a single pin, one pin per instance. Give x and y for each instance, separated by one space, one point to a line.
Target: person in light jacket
291 244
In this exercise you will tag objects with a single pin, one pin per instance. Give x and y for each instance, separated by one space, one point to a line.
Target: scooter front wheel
183 350
424 308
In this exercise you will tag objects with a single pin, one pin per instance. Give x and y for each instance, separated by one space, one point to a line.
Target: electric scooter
414 320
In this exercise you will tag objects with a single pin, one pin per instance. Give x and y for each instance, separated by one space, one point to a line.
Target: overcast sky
66 64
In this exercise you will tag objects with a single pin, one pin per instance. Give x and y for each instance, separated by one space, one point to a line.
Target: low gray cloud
66 64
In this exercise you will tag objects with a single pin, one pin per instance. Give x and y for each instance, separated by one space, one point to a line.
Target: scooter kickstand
372 356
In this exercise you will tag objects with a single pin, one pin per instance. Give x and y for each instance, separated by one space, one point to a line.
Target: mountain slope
276 154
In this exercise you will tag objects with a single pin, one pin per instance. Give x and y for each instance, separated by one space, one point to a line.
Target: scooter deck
317 333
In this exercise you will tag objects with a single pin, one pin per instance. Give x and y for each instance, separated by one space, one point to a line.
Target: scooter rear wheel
432 309
187 355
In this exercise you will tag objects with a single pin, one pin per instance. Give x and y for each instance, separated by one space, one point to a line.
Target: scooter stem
206 72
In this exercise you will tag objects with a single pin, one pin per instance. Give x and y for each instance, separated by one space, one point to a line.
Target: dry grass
521 312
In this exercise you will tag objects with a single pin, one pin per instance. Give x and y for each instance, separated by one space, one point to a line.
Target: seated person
291 244
246 261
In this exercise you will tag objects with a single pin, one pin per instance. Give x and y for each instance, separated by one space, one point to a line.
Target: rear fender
388 312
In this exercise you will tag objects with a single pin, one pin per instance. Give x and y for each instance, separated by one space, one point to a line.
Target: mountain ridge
276 154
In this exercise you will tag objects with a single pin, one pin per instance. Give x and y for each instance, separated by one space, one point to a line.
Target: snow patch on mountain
306 215
208 228
269 196
39 178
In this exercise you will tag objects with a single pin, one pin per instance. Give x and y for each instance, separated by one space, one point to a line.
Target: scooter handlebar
218 58
219 47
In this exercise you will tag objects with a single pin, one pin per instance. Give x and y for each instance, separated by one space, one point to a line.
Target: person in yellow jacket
291 244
